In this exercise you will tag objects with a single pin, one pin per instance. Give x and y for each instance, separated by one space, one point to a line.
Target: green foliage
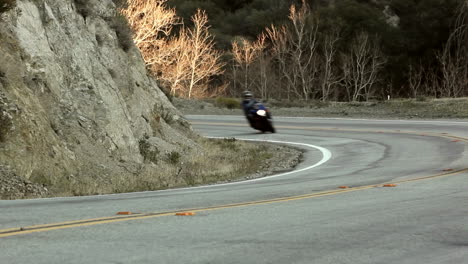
229 103
227 143
5 124
149 152
352 17
424 25
120 3
117 22
422 99
84 7
173 157
6 5
230 18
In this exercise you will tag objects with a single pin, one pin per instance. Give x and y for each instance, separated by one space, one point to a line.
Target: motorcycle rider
247 104
250 106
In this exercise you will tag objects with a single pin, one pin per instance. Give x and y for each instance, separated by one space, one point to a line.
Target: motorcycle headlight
261 112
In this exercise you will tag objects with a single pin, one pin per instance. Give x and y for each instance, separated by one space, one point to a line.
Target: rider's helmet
247 95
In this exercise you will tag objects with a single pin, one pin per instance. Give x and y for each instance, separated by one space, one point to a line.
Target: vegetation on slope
343 50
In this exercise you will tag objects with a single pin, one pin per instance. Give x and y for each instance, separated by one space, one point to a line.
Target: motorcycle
260 118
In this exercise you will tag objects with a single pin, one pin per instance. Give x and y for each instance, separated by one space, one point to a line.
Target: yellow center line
106 220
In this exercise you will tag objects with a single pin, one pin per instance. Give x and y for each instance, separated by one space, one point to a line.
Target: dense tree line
233 18
303 49
346 50
6 5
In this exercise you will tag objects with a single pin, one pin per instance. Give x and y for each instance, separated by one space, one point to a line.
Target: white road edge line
326 155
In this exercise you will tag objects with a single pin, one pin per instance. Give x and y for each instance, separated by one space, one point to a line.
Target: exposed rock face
75 99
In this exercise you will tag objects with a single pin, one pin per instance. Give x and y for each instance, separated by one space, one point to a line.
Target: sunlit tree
295 48
152 23
244 52
185 61
203 58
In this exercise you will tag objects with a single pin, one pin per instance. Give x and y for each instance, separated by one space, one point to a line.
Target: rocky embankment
79 114
76 103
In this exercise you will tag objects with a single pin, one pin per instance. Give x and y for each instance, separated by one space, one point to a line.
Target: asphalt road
300 217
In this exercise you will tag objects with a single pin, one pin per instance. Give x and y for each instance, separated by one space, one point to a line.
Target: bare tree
361 67
415 79
329 78
184 62
245 53
454 57
252 58
152 23
264 64
279 39
303 46
295 50
204 59
176 68
432 82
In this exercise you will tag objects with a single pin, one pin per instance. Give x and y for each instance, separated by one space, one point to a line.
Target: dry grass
224 160
216 160
229 103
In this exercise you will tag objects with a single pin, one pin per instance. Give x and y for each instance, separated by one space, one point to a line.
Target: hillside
76 103
80 115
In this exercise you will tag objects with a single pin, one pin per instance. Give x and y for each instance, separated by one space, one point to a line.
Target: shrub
120 3
124 34
229 103
6 5
5 124
83 7
227 143
149 152
422 99
165 90
117 22
173 157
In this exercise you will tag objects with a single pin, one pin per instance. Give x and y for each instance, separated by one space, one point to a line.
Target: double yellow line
106 220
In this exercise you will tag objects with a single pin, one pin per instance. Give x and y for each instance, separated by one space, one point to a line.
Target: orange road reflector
124 213
447 170
343 187
185 213
389 185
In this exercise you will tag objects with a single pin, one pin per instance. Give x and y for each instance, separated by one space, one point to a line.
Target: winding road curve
295 217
